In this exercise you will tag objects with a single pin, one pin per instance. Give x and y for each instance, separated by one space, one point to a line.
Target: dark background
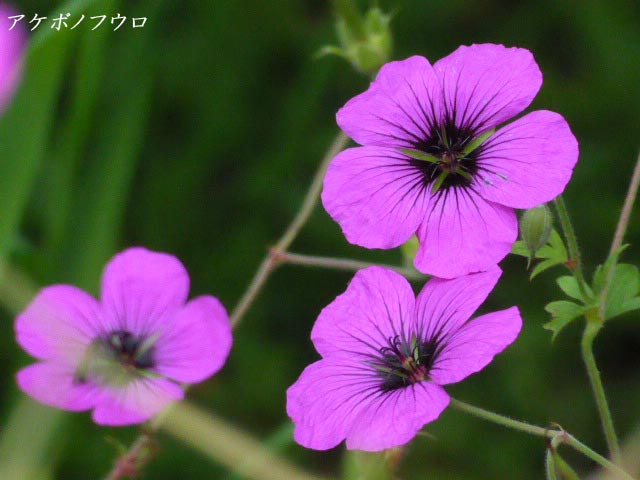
198 135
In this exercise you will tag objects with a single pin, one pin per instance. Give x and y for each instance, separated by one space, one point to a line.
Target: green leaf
622 295
602 271
628 306
562 313
520 248
553 253
555 248
569 285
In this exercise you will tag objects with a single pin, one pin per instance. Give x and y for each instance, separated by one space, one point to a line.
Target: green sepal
477 142
439 181
419 155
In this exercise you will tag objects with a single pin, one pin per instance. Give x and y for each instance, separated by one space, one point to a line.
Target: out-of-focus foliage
198 135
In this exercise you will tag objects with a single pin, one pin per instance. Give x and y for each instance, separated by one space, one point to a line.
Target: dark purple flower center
116 358
129 350
404 362
456 155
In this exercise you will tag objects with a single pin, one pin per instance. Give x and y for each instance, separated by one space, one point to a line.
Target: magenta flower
385 355
432 164
122 356
12 43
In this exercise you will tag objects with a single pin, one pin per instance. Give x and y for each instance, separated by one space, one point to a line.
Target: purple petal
394 418
475 344
136 402
52 384
324 402
59 323
444 305
12 44
143 290
528 162
375 195
195 345
484 85
378 304
398 107
464 233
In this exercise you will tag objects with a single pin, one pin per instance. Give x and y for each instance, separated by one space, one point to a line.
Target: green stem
502 420
572 243
556 435
345 264
311 198
591 330
625 215
621 229
270 261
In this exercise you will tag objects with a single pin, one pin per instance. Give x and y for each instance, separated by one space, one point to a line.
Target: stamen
403 362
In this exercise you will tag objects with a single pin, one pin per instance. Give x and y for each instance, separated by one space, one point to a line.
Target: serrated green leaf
602 271
544 265
553 253
562 313
629 306
519 248
569 285
625 286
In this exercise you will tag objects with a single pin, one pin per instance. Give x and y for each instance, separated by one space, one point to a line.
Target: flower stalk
591 330
345 264
556 435
572 243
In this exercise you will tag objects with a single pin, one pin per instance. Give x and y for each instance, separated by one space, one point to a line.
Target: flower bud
365 40
535 228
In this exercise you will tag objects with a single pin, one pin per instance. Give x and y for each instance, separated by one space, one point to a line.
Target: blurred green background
198 135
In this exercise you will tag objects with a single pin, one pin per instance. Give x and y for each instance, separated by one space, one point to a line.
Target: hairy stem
621 229
572 242
556 435
503 420
270 262
625 215
591 330
594 324
345 264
